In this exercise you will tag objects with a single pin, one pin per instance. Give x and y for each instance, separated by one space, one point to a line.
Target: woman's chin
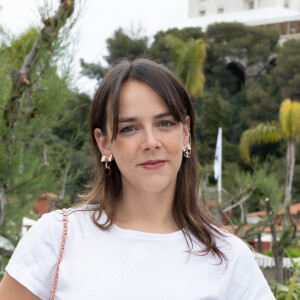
156 186
152 183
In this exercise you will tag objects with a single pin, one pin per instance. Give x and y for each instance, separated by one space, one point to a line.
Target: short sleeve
247 281
34 260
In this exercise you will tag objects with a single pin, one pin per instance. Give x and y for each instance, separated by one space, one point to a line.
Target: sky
98 20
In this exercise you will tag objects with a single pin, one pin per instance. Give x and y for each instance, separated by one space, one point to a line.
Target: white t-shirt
121 264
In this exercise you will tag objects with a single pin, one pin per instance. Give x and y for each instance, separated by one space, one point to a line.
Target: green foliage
92 70
268 253
230 151
296 186
244 45
49 134
289 117
205 153
267 184
290 290
287 70
160 49
212 117
14 49
75 124
264 181
123 46
30 161
189 59
271 132
119 46
238 41
263 101
18 206
233 123
286 236
263 133
292 252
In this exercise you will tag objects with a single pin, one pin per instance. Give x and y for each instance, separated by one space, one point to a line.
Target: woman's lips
153 165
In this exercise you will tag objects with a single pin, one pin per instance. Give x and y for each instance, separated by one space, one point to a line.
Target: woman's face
148 146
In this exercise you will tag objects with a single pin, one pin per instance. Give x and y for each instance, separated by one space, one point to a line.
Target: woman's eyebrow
133 119
126 120
167 114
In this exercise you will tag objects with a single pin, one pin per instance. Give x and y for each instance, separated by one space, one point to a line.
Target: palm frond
175 44
190 57
265 133
285 116
296 120
289 116
196 79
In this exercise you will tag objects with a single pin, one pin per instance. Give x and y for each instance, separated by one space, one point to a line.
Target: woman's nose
150 140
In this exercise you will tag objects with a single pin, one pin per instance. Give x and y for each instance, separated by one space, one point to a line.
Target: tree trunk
278 258
2 204
290 166
276 249
54 202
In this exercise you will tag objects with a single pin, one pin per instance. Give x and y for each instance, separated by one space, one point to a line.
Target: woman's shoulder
231 245
246 280
34 260
79 219
51 224
46 226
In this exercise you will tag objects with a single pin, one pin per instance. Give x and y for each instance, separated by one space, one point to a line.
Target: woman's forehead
139 98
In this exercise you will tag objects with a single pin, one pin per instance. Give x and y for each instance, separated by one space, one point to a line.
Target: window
202 13
220 10
286 4
251 5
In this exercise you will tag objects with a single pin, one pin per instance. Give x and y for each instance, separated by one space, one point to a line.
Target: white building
212 7
281 14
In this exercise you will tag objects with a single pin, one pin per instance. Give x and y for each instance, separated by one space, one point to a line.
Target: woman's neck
147 212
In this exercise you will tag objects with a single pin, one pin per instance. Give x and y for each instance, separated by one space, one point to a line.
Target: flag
218 156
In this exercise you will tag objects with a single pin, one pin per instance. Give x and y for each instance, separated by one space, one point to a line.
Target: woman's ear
102 142
186 130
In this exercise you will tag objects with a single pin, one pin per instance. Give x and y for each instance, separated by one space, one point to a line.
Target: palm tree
189 59
287 129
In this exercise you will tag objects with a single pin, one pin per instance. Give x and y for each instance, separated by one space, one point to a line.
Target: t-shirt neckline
145 235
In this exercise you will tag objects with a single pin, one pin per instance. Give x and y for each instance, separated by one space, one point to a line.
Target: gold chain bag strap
61 251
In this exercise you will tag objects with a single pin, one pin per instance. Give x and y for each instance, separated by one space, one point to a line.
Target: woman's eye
127 129
166 123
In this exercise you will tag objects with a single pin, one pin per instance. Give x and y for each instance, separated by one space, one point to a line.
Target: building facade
198 8
281 14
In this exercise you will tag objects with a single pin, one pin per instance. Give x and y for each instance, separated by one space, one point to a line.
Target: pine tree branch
22 78
13 189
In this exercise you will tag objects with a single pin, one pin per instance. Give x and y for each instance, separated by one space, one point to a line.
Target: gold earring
187 149
107 159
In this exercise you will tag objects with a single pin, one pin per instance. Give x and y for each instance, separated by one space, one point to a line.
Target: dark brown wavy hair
104 191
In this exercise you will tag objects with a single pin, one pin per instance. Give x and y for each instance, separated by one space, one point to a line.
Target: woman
143 233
